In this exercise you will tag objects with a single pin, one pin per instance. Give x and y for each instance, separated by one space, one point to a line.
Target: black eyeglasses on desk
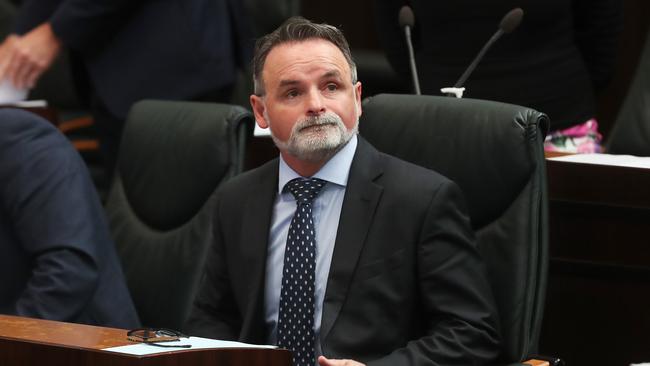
155 336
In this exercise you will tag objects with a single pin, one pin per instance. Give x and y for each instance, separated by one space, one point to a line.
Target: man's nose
315 103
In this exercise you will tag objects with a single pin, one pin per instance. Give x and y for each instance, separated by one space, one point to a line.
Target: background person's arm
44 26
62 283
52 208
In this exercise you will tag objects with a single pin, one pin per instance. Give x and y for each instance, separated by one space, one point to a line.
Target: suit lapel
361 198
258 209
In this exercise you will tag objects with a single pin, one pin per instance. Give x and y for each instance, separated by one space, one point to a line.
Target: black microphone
509 23
406 22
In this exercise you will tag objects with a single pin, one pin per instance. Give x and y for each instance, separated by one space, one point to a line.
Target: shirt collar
336 170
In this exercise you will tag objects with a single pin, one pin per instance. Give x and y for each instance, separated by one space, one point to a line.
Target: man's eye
292 94
332 87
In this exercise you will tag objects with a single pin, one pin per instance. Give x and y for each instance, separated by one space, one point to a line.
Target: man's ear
257 103
357 96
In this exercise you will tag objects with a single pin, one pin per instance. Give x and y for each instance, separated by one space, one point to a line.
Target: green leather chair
173 157
493 151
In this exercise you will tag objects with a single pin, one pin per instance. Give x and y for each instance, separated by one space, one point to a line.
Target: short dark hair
296 29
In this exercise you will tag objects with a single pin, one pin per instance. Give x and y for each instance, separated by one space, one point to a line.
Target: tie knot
304 190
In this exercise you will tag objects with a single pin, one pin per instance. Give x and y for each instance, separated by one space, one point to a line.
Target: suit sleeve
62 284
459 316
33 13
597 27
214 313
51 225
77 23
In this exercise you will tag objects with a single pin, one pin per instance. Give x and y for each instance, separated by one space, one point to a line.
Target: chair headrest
483 146
173 155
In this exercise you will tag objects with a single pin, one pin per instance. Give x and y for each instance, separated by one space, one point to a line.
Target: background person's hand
24 58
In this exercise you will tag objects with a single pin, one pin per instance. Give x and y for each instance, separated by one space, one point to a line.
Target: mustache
325 119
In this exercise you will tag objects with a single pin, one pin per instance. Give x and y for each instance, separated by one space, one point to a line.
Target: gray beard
316 146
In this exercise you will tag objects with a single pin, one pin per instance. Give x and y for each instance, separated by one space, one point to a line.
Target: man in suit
58 261
132 50
336 251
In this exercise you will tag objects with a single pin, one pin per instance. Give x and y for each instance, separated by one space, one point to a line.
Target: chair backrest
493 151
173 157
631 131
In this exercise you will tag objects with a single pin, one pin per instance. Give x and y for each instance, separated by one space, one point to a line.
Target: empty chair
173 157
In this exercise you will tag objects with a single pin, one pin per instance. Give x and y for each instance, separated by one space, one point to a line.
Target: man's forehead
313 52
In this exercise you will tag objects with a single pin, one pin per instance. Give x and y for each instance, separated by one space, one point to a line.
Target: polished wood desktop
598 293
26 341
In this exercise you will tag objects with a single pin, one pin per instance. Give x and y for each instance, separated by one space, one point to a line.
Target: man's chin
314 155
316 143
317 151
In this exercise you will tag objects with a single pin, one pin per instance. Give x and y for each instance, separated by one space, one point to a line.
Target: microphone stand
509 23
414 71
477 59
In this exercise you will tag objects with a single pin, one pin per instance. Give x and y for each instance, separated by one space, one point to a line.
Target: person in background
132 50
58 261
556 61
335 251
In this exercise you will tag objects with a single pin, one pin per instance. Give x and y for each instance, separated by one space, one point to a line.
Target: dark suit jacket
406 285
159 49
57 259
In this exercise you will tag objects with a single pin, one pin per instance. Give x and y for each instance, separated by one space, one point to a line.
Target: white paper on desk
10 94
141 349
629 161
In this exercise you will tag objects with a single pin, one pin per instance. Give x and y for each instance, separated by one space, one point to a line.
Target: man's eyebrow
327 75
288 82
332 73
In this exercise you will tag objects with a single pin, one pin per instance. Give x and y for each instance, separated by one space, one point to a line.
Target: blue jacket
58 261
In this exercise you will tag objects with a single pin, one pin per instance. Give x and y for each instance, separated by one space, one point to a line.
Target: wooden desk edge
40 333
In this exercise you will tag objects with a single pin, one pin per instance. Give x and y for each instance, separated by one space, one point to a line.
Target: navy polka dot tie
296 314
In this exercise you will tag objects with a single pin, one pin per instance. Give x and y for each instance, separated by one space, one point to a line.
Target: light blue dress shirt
326 211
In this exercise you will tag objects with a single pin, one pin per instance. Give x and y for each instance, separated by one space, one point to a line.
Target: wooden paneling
598 292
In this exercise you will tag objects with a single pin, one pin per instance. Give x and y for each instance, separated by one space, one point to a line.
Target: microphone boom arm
414 71
477 59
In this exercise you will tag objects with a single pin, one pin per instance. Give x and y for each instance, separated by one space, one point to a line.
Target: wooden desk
25 341
598 297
